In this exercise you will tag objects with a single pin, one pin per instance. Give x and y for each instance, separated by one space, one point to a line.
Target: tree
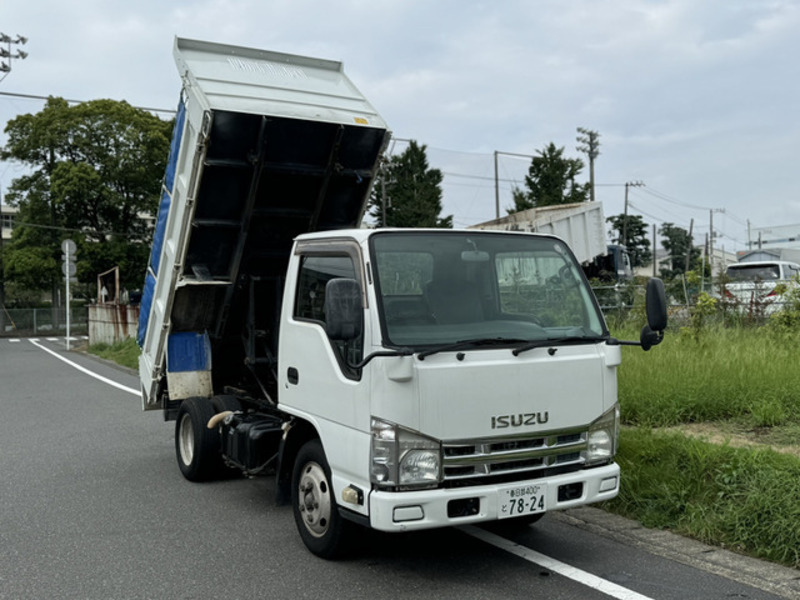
636 242
677 243
94 169
551 180
413 194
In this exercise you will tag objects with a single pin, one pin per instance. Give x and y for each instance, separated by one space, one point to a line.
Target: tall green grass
712 374
743 499
125 353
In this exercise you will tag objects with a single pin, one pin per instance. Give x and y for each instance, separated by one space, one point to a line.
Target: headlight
401 458
602 439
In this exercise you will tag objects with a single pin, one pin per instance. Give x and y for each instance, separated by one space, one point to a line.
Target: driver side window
315 273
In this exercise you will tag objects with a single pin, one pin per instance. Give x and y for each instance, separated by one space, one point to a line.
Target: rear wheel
316 515
196 446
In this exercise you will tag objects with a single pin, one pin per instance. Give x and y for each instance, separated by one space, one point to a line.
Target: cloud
698 99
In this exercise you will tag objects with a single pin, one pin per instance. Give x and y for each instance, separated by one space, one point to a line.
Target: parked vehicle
393 379
755 286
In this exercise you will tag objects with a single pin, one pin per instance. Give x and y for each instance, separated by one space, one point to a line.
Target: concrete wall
111 323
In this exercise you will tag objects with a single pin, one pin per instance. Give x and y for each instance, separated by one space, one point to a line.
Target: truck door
318 376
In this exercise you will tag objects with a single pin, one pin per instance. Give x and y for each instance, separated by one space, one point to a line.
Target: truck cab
452 376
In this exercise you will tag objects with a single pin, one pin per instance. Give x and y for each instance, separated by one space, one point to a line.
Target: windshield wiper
556 341
462 344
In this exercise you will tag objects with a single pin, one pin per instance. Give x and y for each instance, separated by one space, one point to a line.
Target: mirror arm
615 342
647 342
381 353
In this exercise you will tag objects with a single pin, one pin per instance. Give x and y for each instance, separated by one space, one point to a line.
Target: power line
86 231
71 101
481 177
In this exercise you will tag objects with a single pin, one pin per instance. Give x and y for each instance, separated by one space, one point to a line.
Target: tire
222 403
316 514
196 446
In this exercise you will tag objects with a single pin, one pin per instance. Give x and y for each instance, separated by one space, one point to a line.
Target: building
7 216
779 236
720 261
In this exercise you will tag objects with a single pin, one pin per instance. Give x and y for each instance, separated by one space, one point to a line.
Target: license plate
522 500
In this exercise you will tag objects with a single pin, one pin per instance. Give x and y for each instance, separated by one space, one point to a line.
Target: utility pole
749 239
624 240
2 273
655 250
383 195
5 52
590 145
711 238
689 249
5 69
496 189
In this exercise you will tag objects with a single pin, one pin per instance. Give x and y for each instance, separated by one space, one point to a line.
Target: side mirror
343 310
656 305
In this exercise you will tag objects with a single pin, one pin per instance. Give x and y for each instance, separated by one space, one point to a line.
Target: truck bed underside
263 181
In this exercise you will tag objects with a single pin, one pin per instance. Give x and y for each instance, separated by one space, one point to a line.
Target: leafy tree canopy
413 193
678 243
93 170
636 240
550 181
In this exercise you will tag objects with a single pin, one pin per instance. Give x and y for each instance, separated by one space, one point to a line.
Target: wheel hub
186 440
314 499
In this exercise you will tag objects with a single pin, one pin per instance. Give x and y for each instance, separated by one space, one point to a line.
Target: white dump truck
392 379
582 226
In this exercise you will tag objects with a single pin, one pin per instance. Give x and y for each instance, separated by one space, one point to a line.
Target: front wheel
316 515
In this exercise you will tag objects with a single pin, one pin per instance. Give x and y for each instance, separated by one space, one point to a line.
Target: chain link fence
43 321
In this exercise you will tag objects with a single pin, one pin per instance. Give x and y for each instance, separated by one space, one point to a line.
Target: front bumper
428 509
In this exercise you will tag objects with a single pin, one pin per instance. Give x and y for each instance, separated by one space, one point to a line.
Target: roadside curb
770 577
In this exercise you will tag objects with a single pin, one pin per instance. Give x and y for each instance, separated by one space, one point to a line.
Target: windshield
443 288
762 272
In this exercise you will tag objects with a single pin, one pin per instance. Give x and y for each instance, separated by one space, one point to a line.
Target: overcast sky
697 99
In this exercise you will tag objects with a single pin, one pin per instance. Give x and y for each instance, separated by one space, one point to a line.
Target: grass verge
125 353
739 498
712 375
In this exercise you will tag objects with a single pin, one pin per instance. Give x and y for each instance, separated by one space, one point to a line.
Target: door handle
293 375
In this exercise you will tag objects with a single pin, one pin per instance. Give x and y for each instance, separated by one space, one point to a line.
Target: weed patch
716 374
742 499
125 353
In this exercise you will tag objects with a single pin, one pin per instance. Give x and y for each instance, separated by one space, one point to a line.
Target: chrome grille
521 455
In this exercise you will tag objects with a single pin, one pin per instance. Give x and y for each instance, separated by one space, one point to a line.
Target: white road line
565 570
124 388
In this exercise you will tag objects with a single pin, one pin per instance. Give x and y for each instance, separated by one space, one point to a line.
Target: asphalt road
92 505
